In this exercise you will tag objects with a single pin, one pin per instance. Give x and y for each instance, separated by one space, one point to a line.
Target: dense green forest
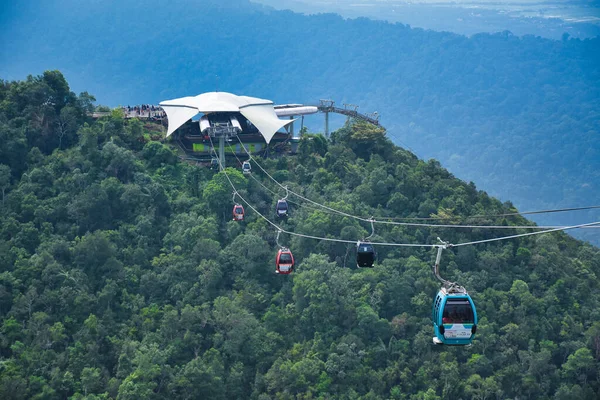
123 276
516 114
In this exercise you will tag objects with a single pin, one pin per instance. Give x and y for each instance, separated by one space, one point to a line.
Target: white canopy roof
258 111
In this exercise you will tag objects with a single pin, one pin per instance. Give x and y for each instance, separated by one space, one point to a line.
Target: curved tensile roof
258 111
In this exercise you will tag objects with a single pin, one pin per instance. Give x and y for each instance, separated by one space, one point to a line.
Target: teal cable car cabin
454 317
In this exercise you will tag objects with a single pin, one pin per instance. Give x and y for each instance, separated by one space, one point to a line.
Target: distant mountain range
522 17
517 115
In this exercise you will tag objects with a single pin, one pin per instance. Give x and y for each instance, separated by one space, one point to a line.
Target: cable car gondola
284 262
454 313
454 317
238 212
246 167
365 255
282 208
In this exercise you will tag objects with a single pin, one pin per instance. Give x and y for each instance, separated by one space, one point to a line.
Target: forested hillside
123 276
518 115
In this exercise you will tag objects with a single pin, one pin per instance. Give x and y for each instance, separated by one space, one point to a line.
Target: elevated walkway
350 111
156 113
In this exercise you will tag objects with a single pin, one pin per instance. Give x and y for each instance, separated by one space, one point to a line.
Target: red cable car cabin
284 262
238 212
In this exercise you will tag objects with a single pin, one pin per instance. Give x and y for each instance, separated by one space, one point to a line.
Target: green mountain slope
516 114
122 275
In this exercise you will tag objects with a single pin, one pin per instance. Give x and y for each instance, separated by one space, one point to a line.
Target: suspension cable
476 226
372 220
260 183
296 194
279 228
397 244
564 228
549 211
455 287
558 210
413 224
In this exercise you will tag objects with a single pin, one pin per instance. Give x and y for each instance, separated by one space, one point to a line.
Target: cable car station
260 126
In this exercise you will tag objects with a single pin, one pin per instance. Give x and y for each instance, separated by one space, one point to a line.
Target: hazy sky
490 2
547 18
591 7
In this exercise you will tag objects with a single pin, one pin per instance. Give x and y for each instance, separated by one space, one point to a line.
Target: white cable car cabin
282 208
246 167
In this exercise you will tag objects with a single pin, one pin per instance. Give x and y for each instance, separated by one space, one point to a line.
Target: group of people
457 315
145 111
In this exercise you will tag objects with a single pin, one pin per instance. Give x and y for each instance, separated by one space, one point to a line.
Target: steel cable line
299 195
564 228
288 200
399 141
264 187
309 236
271 190
251 175
476 226
440 225
444 245
497 215
413 224
262 184
550 211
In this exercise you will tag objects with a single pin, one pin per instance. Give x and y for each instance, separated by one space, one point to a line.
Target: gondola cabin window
285 258
458 311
